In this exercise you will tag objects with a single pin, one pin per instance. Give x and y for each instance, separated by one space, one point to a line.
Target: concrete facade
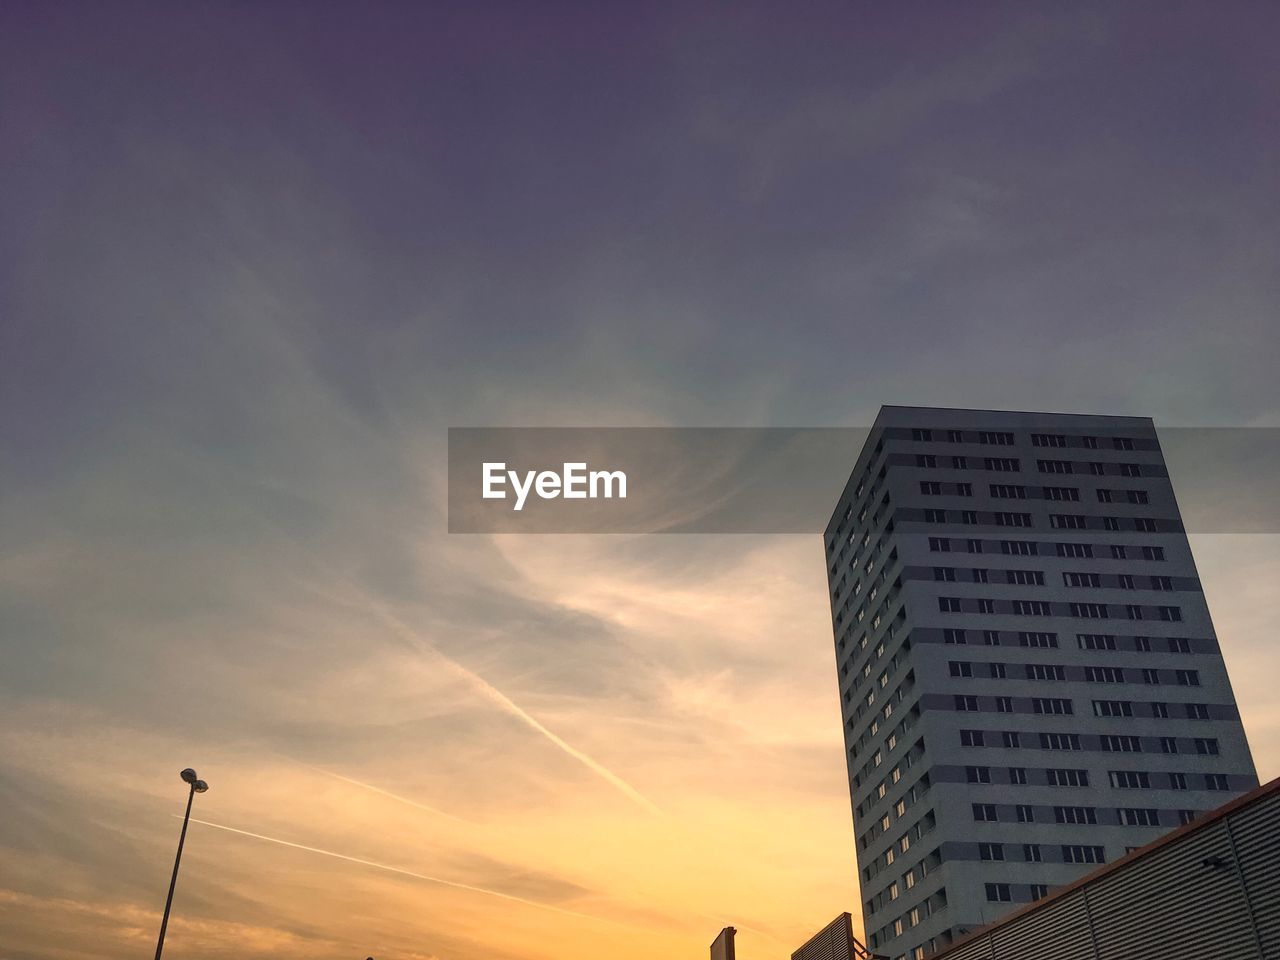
1029 677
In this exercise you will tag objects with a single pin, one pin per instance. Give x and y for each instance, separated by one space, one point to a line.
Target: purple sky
256 258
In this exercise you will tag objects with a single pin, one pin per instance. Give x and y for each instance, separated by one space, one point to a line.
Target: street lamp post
197 786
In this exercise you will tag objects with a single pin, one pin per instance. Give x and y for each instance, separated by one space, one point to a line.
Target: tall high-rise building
1030 681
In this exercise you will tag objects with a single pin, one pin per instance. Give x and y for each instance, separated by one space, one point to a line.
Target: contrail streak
399 870
500 699
386 793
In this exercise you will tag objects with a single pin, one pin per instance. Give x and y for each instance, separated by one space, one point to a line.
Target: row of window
1047 608
1067 742
1057 521
1030 548
1064 706
1070 578
1077 777
1014 491
1005 438
1085 641
1056 672
1071 815
1094 468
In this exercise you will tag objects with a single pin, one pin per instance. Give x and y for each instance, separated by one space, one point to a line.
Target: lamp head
188 775
200 786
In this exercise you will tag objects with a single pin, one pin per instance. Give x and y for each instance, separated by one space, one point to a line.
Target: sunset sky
255 259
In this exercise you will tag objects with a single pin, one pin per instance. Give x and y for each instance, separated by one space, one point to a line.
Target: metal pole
173 882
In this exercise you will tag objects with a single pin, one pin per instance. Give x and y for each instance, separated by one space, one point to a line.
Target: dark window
984 812
999 893
990 851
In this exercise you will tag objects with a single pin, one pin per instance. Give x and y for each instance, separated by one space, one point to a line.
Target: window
971 738
1207 746
999 893
1018 548
1122 443
939 544
1032 608
975 546
1185 817
1038 891
1168 744
1004 704
1096 641
1121 743
1079 853
1159 710
1173 614
1051 705
926 460
1139 817
1031 853
1046 671
1137 496
960 668
1197 711
1177 781
1084 550
1048 440
1054 466
966 704
1104 674
949 604
921 434
1060 741
977 774
1032 638
980 575
1005 519
1081 579
986 605
1146 525
1008 491
1130 470
1150 676
1153 553
991 638
1130 779
964 489
1216 781
1097 469
946 574
953 636
1026 813
984 812
1187 678
1118 552
935 516
995 438
1179 645
1142 644
1089 611
1002 464
1067 521
1089 443
969 517
1071 494
1010 739
997 671
1028 578
1132 610
1067 778
931 488
1162 583
990 851
1104 496
1077 815
1018 776
1112 708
